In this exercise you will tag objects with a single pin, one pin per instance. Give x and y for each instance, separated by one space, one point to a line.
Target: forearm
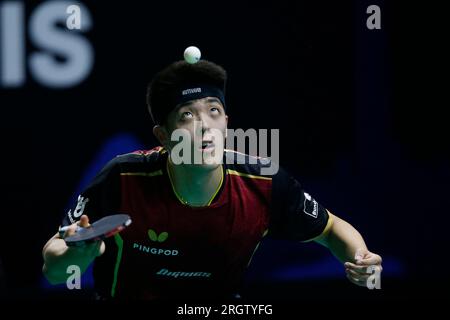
343 240
347 244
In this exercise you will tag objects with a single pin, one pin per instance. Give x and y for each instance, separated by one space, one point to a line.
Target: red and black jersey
174 250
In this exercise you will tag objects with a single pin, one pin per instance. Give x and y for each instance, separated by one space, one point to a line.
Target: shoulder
140 156
140 160
246 165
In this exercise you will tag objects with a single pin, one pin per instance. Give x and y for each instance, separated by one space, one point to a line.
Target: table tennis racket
100 229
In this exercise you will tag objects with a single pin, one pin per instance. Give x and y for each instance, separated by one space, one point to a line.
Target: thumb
84 221
360 253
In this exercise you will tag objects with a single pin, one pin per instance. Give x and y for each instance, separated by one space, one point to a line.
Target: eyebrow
213 100
188 103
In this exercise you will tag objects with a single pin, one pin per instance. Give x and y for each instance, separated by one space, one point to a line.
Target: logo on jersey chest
154 237
157 238
183 274
155 251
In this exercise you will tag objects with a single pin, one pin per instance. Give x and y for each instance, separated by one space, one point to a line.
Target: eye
186 115
215 110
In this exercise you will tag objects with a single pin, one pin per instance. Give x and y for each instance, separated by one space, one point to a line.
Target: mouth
207 146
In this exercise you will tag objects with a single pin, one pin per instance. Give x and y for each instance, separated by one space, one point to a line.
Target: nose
205 125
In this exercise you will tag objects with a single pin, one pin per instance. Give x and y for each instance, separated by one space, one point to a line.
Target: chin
207 166
208 161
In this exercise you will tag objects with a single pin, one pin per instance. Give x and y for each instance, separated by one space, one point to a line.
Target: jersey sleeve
100 198
295 215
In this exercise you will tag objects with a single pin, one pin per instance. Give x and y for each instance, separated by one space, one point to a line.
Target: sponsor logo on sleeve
79 209
310 206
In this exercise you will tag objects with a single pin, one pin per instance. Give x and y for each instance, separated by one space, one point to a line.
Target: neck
196 185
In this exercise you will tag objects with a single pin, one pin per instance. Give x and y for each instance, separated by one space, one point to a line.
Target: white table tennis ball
192 55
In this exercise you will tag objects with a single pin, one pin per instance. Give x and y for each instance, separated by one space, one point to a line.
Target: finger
369 270
84 221
357 268
372 259
101 248
374 269
360 253
356 281
358 276
69 230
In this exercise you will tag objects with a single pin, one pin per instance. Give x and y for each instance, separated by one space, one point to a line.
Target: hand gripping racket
100 229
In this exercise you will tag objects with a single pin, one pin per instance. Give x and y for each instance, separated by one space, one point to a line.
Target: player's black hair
180 74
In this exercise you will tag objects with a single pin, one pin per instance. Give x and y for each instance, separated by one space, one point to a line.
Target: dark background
362 125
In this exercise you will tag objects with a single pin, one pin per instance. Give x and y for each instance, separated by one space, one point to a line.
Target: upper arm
296 215
100 198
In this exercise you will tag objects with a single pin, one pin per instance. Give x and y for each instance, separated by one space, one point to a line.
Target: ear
226 128
161 134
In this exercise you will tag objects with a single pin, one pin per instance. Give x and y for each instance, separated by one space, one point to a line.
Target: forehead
199 102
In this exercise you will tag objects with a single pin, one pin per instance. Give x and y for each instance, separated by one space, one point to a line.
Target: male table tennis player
195 226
